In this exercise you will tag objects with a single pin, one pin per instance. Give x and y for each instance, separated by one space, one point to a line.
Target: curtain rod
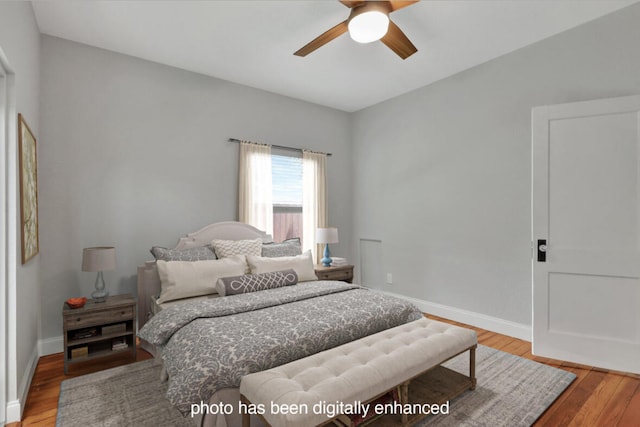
282 147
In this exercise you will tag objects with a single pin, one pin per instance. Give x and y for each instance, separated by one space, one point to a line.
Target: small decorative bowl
76 302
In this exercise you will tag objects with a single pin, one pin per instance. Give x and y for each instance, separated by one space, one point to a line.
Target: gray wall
20 42
442 174
136 154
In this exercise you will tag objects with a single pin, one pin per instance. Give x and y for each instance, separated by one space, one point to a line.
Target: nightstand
343 273
99 329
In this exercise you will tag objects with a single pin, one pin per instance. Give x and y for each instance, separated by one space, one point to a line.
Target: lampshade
99 258
368 26
327 235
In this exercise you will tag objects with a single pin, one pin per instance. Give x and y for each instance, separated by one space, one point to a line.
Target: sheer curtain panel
314 195
255 200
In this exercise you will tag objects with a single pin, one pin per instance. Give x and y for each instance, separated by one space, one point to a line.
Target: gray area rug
511 391
130 395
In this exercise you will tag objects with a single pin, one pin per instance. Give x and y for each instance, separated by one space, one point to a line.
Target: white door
586 232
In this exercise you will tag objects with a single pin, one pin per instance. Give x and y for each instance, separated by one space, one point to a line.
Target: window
283 195
286 178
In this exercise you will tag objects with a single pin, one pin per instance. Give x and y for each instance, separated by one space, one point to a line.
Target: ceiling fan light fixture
368 26
368 21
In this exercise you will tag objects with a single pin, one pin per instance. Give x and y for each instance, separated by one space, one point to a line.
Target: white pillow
184 279
302 264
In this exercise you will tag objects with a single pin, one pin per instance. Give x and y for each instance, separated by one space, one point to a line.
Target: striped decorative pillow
227 248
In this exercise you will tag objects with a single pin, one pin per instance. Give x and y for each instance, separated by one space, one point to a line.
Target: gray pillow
289 247
255 282
201 253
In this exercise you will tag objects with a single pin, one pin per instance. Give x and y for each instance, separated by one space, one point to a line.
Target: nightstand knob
78 319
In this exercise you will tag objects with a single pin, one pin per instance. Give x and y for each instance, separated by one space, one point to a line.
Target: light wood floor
596 398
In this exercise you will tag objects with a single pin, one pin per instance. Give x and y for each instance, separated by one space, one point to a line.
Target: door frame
9 405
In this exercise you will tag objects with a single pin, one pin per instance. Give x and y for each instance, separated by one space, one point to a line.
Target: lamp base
99 296
101 293
326 261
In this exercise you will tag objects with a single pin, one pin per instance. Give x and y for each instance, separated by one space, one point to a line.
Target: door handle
542 250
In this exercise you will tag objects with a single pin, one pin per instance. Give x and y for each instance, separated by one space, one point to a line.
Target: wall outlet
389 279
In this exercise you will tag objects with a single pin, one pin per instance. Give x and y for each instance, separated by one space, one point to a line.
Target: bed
207 343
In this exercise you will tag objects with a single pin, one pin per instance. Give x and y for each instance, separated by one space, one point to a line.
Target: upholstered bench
360 372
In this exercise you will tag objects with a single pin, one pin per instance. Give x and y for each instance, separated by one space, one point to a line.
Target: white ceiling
252 42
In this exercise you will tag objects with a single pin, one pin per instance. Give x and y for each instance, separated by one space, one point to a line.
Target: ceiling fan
369 21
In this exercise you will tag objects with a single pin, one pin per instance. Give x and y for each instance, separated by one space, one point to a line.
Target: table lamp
99 259
326 236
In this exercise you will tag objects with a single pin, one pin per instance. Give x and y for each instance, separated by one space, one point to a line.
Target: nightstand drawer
335 275
111 315
343 273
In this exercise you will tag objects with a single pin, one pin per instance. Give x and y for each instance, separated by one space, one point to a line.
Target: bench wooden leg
404 399
472 367
246 418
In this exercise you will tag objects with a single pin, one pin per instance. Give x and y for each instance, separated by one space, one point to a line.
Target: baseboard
23 391
494 324
15 408
50 346
13 411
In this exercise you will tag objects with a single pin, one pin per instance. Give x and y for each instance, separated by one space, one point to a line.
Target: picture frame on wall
28 164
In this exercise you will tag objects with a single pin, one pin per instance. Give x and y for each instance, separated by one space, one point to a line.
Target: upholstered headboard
148 279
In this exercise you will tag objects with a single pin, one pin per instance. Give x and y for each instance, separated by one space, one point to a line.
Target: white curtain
255 200
314 199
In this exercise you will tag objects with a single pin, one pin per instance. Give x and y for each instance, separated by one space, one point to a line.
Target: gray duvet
209 345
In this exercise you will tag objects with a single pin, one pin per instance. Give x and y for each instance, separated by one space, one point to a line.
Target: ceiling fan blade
398 42
352 4
323 39
395 5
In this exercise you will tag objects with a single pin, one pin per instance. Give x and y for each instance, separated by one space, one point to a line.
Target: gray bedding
209 345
